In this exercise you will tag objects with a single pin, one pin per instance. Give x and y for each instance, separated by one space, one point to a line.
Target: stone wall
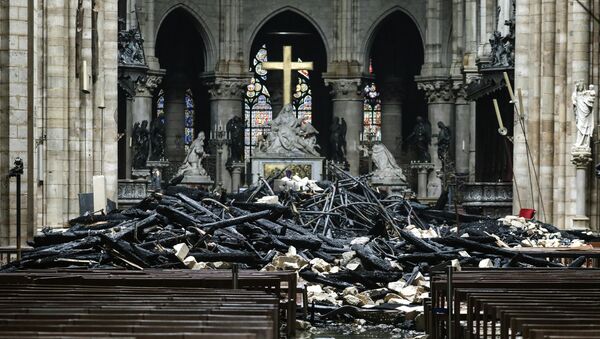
552 52
69 135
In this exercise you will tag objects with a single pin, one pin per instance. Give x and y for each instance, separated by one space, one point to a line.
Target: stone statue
443 141
140 143
387 168
290 136
157 138
235 128
192 164
131 49
583 103
420 138
337 140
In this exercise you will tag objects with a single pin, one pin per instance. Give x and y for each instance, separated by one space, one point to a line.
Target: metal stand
368 142
17 171
219 138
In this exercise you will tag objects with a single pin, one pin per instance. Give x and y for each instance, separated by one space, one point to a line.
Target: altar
307 166
291 144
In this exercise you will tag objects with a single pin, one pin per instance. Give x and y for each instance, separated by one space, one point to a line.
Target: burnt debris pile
356 250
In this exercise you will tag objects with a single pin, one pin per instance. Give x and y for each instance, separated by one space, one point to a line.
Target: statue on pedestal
443 141
421 139
337 139
140 143
157 138
192 164
289 135
235 128
583 104
387 167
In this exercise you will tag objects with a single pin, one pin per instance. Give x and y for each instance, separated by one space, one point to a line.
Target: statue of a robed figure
583 106
192 164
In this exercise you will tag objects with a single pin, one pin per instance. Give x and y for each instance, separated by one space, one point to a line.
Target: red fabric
527 213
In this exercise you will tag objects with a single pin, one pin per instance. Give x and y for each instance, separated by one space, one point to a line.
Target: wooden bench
493 303
153 303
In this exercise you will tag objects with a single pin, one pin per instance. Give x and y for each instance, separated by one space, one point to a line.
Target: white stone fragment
181 251
190 262
486 263
319 265
268 199
359 241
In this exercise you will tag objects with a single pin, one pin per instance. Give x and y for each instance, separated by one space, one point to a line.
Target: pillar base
580 222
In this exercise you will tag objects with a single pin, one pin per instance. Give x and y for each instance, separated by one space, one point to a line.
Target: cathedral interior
464 111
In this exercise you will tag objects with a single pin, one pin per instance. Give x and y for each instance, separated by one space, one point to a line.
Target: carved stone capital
345 88
437 90
460 91
581 156
220 88
145 85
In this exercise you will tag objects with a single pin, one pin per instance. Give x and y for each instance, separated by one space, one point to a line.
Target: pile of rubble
360 254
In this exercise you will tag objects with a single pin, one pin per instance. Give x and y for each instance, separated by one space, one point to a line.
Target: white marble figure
192 164
289 136
387 168
583 104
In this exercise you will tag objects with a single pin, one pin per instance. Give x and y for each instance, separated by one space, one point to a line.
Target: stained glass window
160 104
371 113
188 132
303 97
257 104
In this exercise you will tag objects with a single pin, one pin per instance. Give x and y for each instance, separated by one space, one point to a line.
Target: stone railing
488 198
131 191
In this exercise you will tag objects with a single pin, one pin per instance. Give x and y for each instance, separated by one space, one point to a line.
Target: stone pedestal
303 166
197 180
156 171
422 169
347 101
140 173
581 157
235 168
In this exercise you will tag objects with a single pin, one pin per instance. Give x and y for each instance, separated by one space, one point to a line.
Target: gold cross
287 66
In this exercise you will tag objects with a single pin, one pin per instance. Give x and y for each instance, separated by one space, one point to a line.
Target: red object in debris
527 213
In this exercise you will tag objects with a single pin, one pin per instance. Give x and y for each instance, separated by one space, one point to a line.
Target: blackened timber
418 242
370 259
316 278
472 245
181 218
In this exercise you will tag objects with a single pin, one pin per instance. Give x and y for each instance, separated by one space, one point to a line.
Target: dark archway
181 52
396 56
291 28
494 153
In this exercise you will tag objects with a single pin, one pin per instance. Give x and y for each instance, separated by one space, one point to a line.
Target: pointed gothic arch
285 9
288 27
392 70
182 51
200 25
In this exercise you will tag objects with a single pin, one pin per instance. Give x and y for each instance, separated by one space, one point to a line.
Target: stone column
236 175
226 96
440 107
347 100
581 158
141 105
391 94
462 130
